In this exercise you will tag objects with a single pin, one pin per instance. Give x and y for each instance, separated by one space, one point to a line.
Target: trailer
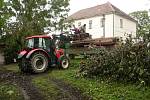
88 46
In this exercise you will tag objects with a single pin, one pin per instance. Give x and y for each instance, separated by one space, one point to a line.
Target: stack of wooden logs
97 42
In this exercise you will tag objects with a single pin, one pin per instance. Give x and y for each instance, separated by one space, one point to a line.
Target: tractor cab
41 52
43 42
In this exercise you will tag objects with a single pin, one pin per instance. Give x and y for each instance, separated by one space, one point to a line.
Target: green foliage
128 62
14 43
143 28
4 15
34 15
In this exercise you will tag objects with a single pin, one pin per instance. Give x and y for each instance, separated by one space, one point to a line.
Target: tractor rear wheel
64 62
39 62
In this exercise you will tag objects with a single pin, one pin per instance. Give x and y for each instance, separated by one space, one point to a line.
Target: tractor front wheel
64 62
39 62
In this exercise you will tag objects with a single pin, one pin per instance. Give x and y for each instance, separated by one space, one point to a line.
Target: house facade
105 20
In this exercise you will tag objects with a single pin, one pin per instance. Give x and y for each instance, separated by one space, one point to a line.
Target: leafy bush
14 43
128 62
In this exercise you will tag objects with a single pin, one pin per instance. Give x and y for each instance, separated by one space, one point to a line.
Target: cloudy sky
127 6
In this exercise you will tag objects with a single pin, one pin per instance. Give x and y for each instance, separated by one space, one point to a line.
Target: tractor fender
37 50
22 54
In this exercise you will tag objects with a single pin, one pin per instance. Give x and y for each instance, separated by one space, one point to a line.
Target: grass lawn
11 67
101 90
98 90
9 92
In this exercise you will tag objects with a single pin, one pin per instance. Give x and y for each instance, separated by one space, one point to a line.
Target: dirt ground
31 92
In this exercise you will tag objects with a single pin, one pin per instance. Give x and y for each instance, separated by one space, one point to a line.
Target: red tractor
41 52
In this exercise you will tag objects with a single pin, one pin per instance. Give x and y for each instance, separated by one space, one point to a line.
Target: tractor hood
22 53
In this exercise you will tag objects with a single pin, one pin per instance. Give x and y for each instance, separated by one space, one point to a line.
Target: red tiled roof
99 10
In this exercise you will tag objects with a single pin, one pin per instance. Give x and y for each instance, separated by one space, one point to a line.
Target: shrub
14 43
128 62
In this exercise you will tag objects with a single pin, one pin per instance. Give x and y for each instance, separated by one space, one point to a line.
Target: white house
105 20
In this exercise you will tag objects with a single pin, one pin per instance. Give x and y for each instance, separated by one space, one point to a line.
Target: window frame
90 24
121 23
29 43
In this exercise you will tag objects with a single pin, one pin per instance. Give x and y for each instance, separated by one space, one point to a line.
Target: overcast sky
127 6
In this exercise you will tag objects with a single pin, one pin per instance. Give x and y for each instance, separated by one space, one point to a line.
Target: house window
90 24
102 22
79 24
121 23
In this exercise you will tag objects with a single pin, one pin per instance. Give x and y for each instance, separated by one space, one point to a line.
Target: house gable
99 10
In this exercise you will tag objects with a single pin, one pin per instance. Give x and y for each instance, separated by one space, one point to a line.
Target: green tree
143 28
31 17
4 15
1 17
